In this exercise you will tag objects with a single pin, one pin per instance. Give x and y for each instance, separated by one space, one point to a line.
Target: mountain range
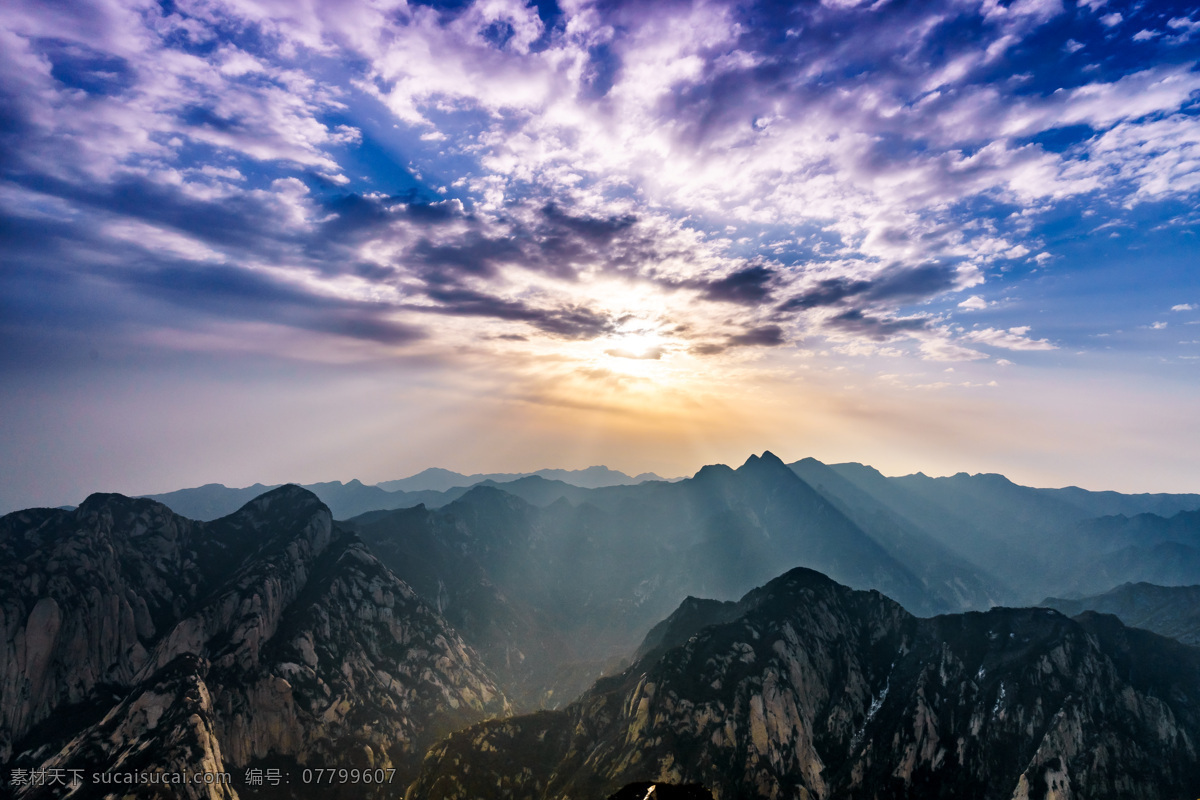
556 583
432 487
805 688
641 633
440 480
135 638
1172 611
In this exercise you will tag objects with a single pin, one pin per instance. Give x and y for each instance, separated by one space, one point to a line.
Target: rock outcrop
161 739
818 691
272 634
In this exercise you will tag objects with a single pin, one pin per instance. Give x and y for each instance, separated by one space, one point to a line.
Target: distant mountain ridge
1035 541
554 583
214 500
433 488
440 480
1166 610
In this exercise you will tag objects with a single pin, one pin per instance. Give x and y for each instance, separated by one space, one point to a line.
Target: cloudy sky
263 240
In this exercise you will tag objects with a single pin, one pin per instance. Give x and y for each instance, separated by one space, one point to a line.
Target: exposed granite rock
817 691
303 647
154 743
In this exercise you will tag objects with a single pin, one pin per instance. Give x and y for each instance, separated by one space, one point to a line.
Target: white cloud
1183 307
1011 339
973 303
880 169
942 349
1112 20
1185 25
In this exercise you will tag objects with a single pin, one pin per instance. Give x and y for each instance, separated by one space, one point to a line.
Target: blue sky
254 240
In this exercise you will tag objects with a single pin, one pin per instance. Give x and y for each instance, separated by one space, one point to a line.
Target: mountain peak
712 471
770 457
767 461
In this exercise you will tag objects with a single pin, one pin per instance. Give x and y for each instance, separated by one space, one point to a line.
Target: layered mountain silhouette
138 638
815 690
214 500
557 590
431 488
643 622
970 541
1035 542
1167 610
440 480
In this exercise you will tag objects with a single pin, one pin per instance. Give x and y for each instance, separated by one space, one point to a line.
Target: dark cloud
207 117
552 241
70 277
897 285
909 285
475 254
876 328
762 336
598 230
748 286
601 71
235 222
568 322
765 336
826 293
237 293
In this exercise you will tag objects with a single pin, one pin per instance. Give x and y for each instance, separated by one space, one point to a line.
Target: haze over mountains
437 479
278 637
968 541
1172 611
432 487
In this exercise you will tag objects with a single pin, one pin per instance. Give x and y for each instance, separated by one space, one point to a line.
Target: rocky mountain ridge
279 632
818 691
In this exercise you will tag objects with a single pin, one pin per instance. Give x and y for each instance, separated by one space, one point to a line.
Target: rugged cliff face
281 634
165 727
817 691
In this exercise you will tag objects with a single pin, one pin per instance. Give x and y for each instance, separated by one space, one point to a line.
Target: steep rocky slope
124 624
818 691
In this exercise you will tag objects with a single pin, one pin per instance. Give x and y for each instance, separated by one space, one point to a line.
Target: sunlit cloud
620 201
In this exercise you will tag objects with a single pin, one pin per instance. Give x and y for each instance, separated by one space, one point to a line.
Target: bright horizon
244 241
